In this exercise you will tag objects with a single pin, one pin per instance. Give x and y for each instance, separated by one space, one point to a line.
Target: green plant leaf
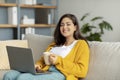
85 28
84 16
92 26
94 37
101 26
107 25
96 18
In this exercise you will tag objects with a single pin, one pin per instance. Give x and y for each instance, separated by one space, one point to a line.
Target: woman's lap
51 76
15 75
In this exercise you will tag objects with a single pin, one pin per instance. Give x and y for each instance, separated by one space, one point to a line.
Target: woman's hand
52 58
38 68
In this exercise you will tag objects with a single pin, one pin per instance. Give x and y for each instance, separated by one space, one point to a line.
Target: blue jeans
16 75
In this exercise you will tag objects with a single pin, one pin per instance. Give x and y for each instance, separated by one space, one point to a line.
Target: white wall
109 9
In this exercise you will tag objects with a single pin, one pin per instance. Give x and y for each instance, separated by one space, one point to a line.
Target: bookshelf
7 4
19 26
26 6
37 6
7 26
26 25
37 25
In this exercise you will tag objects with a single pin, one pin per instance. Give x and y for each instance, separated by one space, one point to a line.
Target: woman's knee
11 75
25 76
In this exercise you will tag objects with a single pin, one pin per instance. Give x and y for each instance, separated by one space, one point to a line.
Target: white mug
46 57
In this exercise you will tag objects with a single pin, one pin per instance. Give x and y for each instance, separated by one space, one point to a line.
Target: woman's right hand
38 68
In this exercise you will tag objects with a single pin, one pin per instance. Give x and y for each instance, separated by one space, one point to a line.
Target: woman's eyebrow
65 22
68 22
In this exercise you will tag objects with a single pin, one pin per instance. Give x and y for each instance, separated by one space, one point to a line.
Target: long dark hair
59 38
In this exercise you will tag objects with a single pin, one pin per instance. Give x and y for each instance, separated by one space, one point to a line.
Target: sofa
104 57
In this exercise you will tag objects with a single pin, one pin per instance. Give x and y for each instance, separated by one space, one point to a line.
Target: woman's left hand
52 58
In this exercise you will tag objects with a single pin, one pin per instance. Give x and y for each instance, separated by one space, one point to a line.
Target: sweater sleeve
79 66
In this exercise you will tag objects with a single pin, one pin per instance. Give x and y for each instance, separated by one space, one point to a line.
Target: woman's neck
69 41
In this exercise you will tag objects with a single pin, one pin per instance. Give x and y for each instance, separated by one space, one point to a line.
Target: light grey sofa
104 57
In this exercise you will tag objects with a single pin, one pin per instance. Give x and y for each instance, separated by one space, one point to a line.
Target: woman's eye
68 24
61 24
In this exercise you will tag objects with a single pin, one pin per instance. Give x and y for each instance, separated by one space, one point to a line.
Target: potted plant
94 28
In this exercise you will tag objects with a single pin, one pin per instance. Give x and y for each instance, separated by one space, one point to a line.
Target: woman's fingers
52 58
38 68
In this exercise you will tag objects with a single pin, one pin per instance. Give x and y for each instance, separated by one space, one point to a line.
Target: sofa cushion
4 62
38 44
104 61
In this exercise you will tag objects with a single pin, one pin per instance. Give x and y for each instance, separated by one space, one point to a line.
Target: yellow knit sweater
75 64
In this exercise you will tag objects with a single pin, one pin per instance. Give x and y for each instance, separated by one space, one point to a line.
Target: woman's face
67 27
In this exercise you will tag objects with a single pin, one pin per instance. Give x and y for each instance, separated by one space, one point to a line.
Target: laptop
21 59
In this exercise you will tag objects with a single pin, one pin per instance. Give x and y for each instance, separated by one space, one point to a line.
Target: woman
70 55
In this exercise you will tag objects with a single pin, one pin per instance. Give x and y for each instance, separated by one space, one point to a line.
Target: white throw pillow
4 62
